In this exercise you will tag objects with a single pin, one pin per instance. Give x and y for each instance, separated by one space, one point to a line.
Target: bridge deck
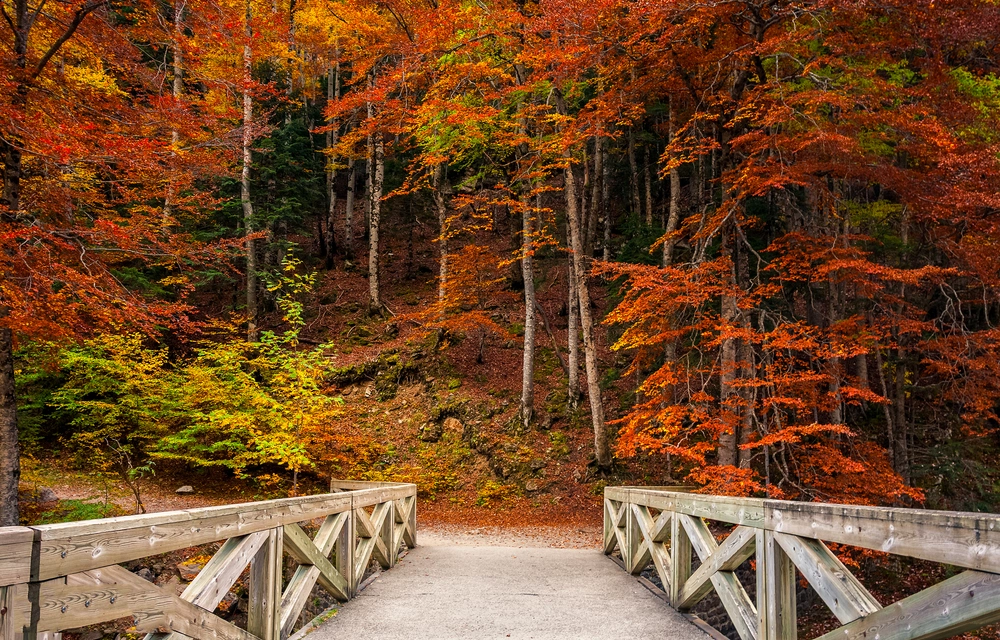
444 591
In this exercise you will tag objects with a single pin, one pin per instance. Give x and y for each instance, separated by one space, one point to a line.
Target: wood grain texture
839 589
734 551
776 582
15 555
962 603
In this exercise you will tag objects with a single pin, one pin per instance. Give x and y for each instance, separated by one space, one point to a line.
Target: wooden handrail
667 528
63 576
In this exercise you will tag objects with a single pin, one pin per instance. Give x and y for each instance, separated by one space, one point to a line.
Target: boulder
228 603
47 495
430 432
453 424
185 489
190 569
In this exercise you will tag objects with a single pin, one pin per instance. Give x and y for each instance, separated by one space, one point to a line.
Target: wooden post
680 559
775 590
388 533
264 617
633 535
7 612
344 553
413 517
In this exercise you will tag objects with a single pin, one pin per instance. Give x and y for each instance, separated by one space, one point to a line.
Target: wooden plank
214 581
296 593
961 603
76 547
776 606
295 596
638 555
410 537
610 540
371 528
7 595
970 540
300 547
263 619
742 612
15 555
733 552
113 592
741 511
840 590
344 552
654 532
680 559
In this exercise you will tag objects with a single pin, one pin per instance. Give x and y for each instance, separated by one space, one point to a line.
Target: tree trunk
595 192
10 454
377 173
528 273
248 222
352 177
634 171
332 93
649 188
573 331
441 188
602 448
605 209
178 86
673 217
901 446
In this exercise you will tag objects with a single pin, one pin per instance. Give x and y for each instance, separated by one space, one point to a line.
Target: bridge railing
666 528
65 576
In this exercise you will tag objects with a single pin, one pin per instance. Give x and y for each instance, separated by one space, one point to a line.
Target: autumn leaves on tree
775 220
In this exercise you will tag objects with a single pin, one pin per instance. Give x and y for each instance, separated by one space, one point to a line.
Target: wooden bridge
62 577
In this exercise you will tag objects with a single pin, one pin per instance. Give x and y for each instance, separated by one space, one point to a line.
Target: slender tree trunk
441 188
248 221
528 273
602 448
377 172
573 331
352 177
730 352
902 448
332 93
674 216
178 86
10 454
634 170
595 193
649 188
605 208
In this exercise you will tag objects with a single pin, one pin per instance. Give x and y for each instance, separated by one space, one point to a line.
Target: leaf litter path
458 585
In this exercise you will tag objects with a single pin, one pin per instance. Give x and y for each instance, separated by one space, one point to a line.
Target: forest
512 251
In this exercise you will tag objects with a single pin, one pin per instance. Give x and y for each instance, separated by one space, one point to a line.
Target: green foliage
121 397
237 404
638 238
76 510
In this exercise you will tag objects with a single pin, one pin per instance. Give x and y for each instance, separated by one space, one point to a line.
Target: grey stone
185 489
430 432
145 574
47 495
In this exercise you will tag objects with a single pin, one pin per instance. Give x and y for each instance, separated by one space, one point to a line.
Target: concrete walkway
445 591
